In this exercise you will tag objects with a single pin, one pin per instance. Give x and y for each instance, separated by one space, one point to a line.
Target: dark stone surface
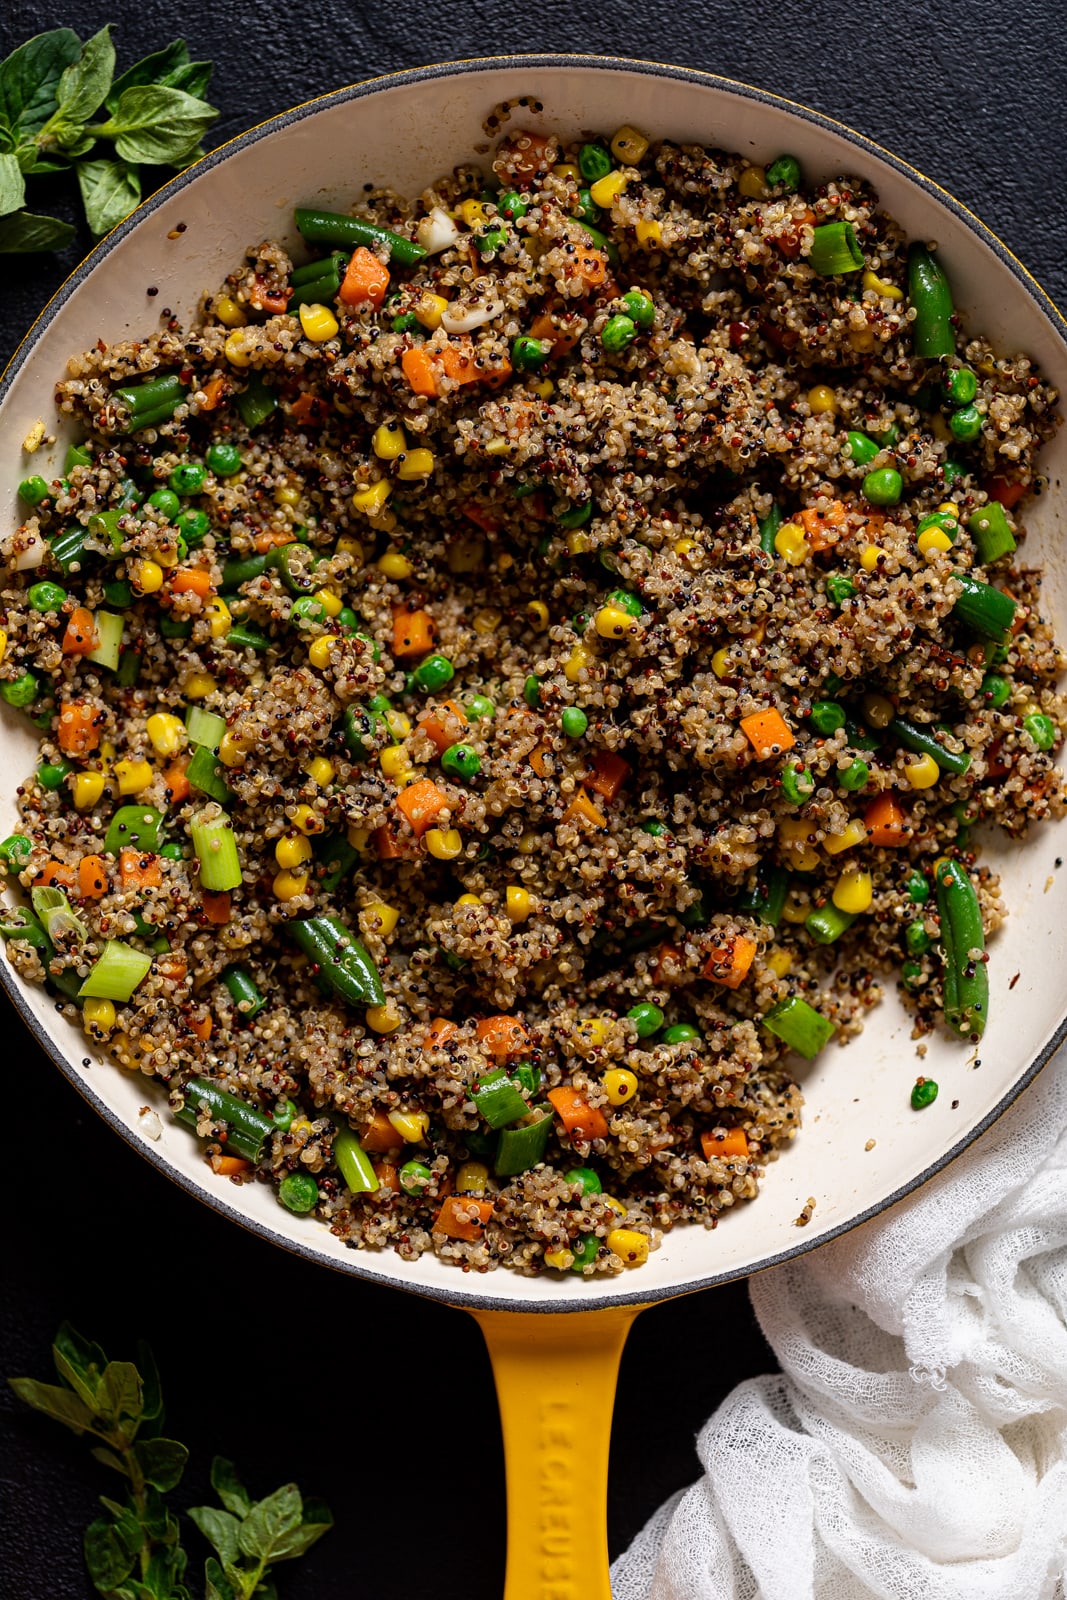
373 1400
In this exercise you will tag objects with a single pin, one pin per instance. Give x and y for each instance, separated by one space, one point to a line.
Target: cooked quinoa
560 597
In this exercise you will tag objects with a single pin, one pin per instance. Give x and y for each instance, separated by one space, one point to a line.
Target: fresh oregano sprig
135 1551
60 99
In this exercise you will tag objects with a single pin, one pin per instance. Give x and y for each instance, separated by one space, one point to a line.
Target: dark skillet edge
463 1295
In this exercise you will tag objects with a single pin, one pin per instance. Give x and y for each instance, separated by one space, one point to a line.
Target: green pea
594 162
193 526
574 721
588 210
175 627
911 973
531 691
797 784
952 472
627 602
585 1252
996 690
681 1033
172 852
406 322
588 1179
656 829
21 691
119 593
460 761
284 1118
827 716
887 436
839 588
15 851
224 460
618 332
832 683
960 385
480 708
414 1177
187 479
512 205
576 516
784 173
490 240
46 597
924 1093
50 774
166 502
918 888
854 776
298 1193
639 307
883 487
966 424
1000 655
1041 729
306 612
646 1018
528 355
861 449
916 938
939 519
346 619
434 673
33 490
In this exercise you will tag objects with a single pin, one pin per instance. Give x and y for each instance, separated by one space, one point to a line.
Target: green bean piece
32 491
768 527
320 291
247 1129
291 563
528 1077
993 538
152 402
337 259
134 828
338 856
918 887
299 1193
332 228
175 627
353 1163
835 250
18 923
129 668
118 592
243 569
922 739
983 609
68 547
576 516
766 899
247 997
931 298
826 923
799 1025
585 1253
923 1094
344 965
257 401
521 1148
241 637
965 979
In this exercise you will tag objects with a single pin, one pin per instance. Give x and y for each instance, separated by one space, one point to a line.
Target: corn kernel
166 733
412 1126
612 622
388 441
218 617
318 323
394 760
429 309
933 539
416 464
497 446
128 1052
232 750
562 1260
380 918
684 547
358 838
780 962
371 499
319 651
331 603
821 399
106 751
528 843
795 835
593 1030
603 192
291 851
567 169
610 1201
853 891
518 902
949 508
487 620
579 660
620 1085
98 1018
287 494
791 544
87 788
229 312
870 556
855 833
394 565
287 885
235 349
198 685
577 542
320 771
444 844
752 184
133 776
3 643
301 1125
147 576
472 1177
888 291
862 340
649 235
719 661
308 820
466 555
167 558
505 561
878 710
468 900
630 1246
922 773
348 545
797 906
629 144
537 612
473 213
545 389
386 1019
398 723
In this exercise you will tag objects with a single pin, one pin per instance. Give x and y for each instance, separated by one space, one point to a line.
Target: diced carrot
582 806
733 1143
81 725
527 153
173 968
213 391
438 1033
366 279
729 964
1009 494
496 376
92 877
995 766
502 1036
767 732
418 369
387 1175
386 843
456 361
58 873
885 821
178 785
216 906
549 325
229 1166
420 802
610 772
823 528
201 1025
480 517
444 726
536 758
590 265
413 632
670 964
271 538
191 580
80 636
309 411
580 1119
138 869
463 1217
264 299
379 1136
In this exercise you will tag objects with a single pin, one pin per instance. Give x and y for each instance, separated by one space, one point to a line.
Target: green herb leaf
106 1555
216 1585
219 1528
29 78
71 139
108 1458
156 68
54 1402
229 1488
151 1392
12 185
193 77
156 124
162 1461
271 1523
85 83
120 1392
33 164
23 232
110 190
79 1362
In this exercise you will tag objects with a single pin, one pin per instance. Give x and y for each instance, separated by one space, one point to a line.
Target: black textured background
375 1401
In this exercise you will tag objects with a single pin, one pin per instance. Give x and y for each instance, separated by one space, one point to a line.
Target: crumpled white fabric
914 1444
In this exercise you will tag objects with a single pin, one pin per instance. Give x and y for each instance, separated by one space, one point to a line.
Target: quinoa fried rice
577 514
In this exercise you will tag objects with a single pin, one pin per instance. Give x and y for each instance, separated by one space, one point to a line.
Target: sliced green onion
204 727
353 1163
57 915
834 249
799 1025
216 851
206 773
826 924
117 973
993 538
522 1148
498 1099
109 640
133 828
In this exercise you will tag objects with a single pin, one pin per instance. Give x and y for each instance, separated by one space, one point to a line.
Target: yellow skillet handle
555 1382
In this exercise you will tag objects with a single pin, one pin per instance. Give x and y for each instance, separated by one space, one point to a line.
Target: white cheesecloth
914 1444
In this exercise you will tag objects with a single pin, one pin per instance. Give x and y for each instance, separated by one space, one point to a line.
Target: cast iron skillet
555 1374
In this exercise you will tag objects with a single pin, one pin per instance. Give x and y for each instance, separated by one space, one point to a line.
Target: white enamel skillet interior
404 131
